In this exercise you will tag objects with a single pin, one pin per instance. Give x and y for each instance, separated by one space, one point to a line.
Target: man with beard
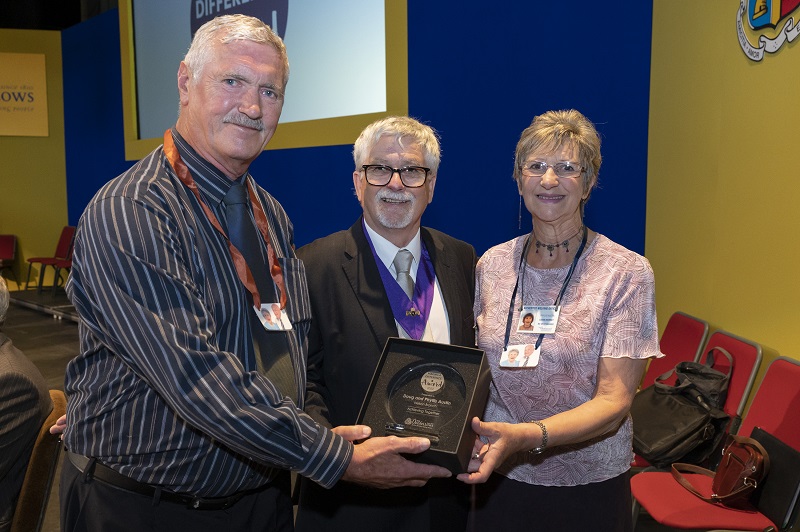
360 293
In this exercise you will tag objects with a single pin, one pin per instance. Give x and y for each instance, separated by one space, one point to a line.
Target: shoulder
444 241
322 248
147 184
502 254
609 254
18 374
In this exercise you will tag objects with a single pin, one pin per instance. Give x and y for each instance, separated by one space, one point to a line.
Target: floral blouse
608 310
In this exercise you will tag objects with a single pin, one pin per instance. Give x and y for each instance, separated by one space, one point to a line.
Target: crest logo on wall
770 25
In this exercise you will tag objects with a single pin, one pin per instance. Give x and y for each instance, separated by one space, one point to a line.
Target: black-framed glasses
380 175
563 169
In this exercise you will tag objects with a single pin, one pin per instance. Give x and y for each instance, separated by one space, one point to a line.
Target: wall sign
23 95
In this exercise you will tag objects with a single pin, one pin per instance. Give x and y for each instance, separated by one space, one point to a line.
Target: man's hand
377 462
60 425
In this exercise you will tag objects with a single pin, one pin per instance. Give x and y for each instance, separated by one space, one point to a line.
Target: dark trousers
93 506
505 504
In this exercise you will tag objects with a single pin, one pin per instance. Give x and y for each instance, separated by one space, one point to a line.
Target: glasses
539 168
380 175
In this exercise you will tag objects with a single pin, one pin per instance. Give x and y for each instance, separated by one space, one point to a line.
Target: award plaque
429 390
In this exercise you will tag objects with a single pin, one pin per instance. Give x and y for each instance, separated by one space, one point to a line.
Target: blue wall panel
477 73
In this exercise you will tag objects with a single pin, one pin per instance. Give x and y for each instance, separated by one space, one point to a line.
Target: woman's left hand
504 439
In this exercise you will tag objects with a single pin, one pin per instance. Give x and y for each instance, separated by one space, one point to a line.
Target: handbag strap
709 362
679 468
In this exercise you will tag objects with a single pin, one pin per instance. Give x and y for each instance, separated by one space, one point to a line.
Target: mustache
242 120
397 196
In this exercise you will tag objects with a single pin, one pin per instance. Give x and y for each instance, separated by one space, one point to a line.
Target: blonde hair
553 129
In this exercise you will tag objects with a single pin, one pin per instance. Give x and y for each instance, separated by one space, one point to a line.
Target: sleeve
133 280
316 390
631 324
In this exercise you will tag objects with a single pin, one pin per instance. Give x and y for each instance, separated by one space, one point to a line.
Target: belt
91 468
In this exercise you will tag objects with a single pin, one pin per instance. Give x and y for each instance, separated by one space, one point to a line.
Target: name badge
273 317
538 319
520 356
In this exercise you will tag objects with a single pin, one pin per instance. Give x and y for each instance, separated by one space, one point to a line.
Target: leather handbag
744 465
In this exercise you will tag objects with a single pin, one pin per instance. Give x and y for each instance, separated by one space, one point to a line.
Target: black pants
94 506
505 504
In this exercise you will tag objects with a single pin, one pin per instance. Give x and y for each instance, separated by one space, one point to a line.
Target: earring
519 216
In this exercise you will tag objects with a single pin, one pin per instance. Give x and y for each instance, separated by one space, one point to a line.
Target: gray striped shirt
165 389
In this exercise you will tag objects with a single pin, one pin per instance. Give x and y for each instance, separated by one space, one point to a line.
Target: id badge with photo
538 319
520 356
273 317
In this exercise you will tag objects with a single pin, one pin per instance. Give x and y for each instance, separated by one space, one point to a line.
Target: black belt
91 468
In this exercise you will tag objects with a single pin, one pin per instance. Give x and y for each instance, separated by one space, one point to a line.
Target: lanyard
242 270
521 274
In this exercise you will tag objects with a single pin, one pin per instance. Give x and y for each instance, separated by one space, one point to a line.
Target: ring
476 456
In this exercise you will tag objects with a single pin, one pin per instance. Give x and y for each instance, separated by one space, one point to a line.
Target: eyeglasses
380 175
539 168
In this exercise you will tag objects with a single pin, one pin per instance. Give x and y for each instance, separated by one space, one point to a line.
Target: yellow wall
723 199
33 190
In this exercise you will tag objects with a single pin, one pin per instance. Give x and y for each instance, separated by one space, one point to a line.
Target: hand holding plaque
429 390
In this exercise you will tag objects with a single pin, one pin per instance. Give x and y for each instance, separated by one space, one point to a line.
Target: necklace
551 247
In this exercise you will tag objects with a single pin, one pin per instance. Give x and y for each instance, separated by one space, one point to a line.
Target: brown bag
744 464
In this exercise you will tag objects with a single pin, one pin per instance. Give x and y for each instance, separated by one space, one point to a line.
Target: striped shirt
165 389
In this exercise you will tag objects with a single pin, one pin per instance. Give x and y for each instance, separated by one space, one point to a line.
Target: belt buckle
200 503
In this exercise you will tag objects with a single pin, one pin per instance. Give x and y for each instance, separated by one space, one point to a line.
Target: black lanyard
520 273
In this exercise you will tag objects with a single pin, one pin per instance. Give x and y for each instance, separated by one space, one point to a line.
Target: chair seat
676 507
44 260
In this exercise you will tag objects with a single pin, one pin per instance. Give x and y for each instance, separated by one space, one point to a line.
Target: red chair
8 253
57 261
746 362
776 409
683 340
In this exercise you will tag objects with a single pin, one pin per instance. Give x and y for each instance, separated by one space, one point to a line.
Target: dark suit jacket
351 321
24 405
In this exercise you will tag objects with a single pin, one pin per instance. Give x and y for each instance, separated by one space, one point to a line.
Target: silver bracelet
543 446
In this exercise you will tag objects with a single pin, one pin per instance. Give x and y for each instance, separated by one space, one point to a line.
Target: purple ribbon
411 314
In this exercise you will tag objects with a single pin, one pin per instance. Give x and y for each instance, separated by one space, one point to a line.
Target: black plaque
429 390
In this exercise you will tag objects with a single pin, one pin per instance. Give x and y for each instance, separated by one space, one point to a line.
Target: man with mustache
185 412
357 303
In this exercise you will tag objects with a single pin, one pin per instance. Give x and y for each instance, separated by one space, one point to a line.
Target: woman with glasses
558 433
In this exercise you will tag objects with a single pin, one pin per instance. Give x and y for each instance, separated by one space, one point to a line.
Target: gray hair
401 127
4 297
229 28
553 129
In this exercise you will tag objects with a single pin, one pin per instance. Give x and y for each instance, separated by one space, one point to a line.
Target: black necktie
272 347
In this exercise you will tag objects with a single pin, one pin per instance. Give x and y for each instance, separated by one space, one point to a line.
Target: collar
210 181
386 250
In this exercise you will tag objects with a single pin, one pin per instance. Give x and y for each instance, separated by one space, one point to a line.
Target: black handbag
684 422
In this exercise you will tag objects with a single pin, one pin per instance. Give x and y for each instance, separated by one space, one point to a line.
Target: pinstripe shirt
165 389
